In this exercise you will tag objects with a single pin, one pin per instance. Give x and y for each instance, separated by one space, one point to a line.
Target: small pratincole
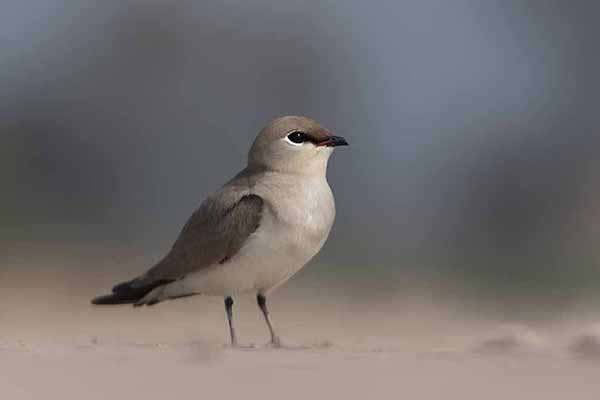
254 233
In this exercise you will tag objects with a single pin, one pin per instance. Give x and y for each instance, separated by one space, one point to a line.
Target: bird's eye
296 138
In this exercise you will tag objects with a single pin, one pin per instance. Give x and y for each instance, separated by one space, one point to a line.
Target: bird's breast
302 214
295 224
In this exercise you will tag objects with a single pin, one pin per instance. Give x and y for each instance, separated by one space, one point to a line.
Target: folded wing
212 235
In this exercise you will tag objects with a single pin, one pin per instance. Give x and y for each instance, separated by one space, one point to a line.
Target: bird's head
294 144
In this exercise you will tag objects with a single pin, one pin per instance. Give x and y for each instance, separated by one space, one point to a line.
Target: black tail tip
109 299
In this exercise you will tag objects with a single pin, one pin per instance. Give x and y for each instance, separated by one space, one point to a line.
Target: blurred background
472 173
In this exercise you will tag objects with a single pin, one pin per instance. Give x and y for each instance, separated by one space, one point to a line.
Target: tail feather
130 292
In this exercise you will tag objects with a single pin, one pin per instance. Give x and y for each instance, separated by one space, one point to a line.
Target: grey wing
213 234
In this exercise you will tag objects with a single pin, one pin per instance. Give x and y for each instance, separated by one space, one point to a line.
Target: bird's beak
333 141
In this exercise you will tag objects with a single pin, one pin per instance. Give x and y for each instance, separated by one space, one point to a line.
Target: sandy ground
54 345
196 370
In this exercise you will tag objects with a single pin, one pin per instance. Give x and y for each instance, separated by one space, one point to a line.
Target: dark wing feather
212 235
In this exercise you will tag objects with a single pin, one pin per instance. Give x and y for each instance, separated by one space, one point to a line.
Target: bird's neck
315 167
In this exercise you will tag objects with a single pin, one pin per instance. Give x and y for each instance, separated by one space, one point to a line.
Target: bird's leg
229 310
262 303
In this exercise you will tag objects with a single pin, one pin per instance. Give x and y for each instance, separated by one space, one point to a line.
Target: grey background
473 124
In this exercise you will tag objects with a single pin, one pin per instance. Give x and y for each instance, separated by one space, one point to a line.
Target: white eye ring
292 143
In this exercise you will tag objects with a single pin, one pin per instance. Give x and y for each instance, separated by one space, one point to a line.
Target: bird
255 232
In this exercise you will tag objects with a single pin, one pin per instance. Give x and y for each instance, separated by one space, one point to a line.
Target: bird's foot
276 343
237 346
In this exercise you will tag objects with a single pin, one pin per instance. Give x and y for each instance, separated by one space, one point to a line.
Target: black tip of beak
335 141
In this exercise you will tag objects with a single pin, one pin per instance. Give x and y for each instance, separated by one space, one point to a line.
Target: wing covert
212 235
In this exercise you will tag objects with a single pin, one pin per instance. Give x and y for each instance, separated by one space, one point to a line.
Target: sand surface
180 351
353 345
196 370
